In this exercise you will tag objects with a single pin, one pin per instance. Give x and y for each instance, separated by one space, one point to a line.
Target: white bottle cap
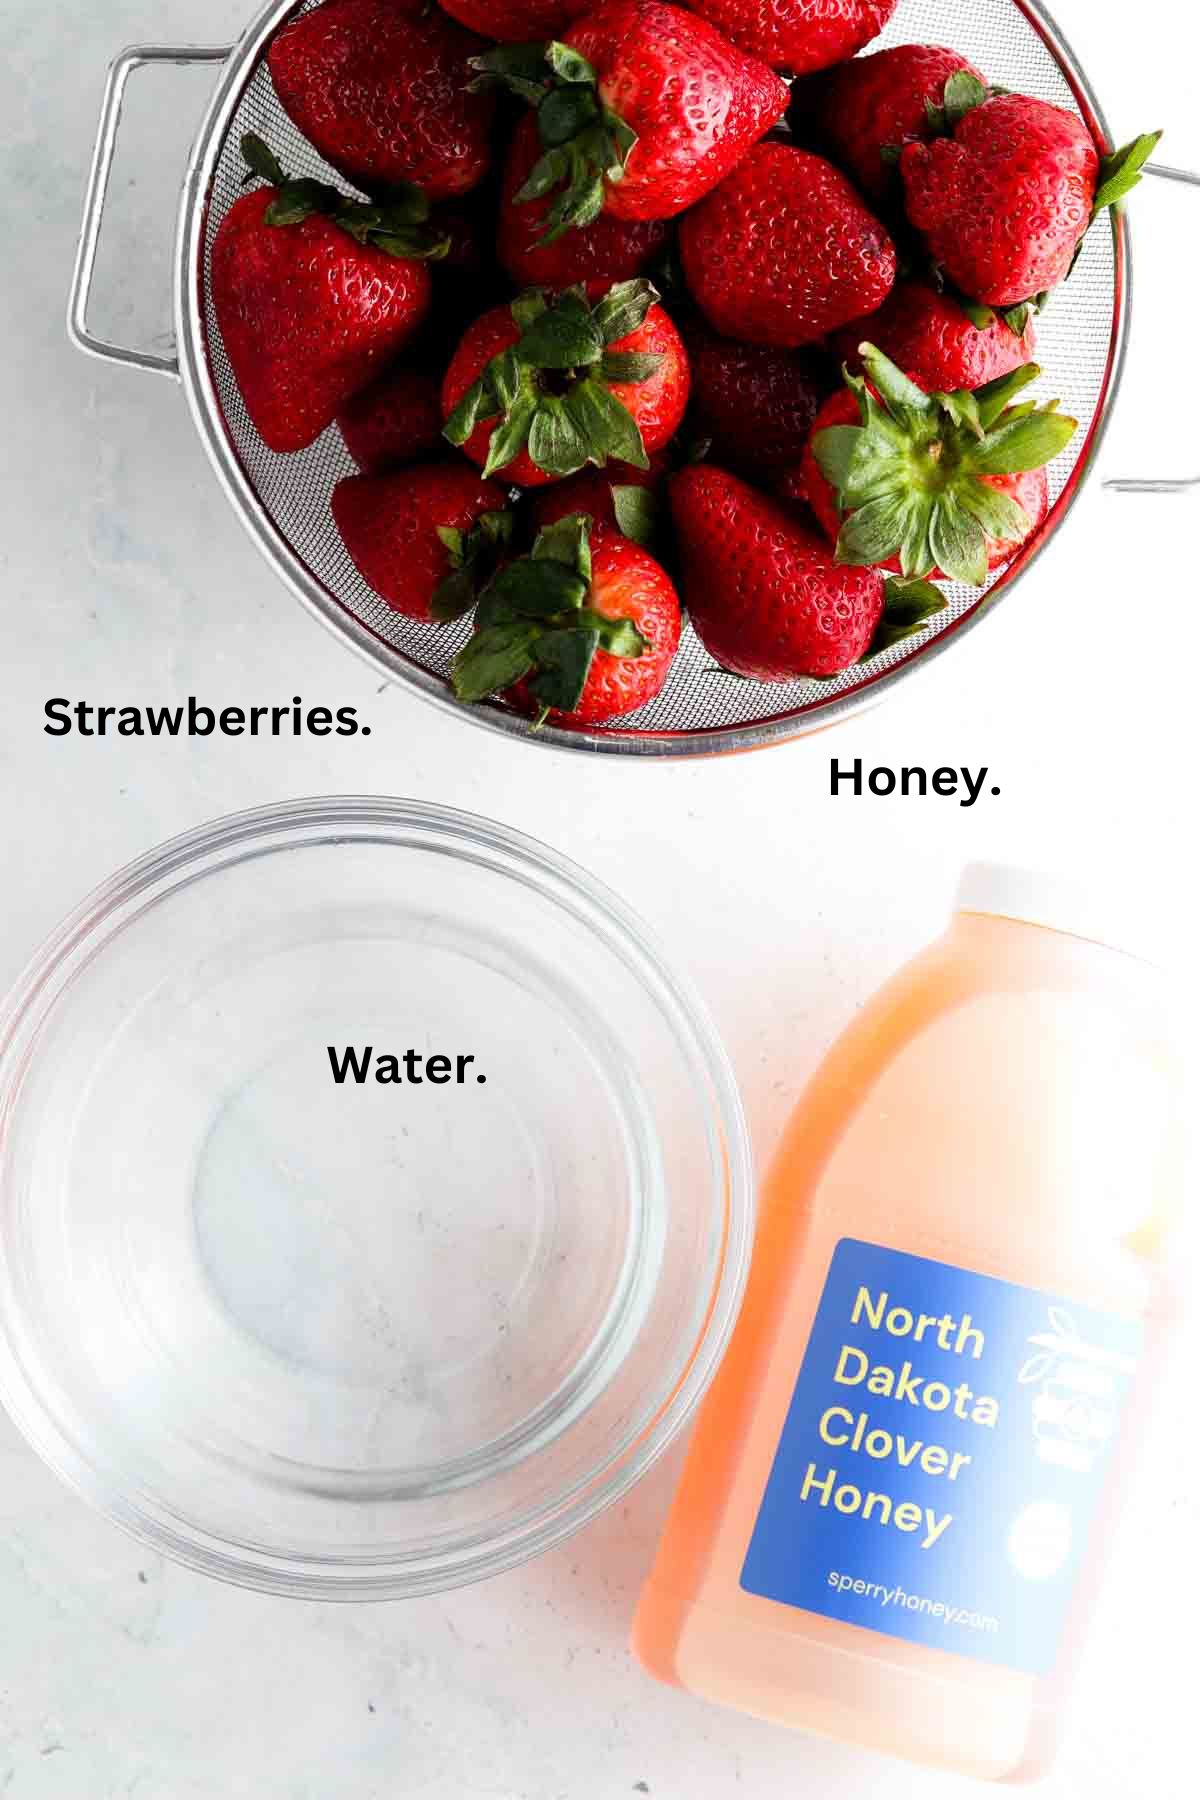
1101 913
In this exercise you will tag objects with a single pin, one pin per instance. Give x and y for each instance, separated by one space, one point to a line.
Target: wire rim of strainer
783 727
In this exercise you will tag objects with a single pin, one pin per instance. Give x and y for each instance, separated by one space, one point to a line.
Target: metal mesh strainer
284 500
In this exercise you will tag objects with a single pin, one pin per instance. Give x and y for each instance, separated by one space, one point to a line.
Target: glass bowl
360 1339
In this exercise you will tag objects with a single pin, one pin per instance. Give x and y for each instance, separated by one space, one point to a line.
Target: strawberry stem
533 622
585 144
907 608
911 480
1121 171
551 392
398 226
474 557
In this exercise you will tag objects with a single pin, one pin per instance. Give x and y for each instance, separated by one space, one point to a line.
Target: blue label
943 1454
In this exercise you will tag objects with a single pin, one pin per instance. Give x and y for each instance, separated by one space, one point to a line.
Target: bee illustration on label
1078 1393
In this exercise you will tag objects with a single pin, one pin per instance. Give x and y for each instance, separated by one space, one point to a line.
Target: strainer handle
139 56
1181 484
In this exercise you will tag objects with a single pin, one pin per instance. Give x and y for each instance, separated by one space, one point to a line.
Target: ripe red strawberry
314 294
784 251
799 35
381 88
790 484
582 631
394 421
516 21
609 249
619 495
1030 488
641 109
423 537
944 485
543 387
867 110
932 338
1005 200
764 592
756 404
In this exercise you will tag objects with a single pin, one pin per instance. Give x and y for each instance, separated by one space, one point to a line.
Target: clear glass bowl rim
324 820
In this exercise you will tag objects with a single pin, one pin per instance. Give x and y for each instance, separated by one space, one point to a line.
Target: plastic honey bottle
901 1487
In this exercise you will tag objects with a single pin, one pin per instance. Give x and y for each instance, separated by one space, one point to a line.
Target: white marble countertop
125 578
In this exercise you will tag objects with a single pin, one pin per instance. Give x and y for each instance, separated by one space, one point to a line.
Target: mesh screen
1074 339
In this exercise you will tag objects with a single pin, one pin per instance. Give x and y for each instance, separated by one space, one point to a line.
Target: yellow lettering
840 1374
969 1335
872 1309
834 1412
812 1485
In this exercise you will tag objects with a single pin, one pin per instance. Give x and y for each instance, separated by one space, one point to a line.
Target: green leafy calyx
585 145
962 93
636 511
910 478
1015 317
1121 171
908 607
534 622
551 393
473 556
398 226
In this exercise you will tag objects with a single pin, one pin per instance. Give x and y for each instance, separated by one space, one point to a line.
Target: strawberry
380 87
791 484
1030 488
867 110
764 592
756 404
618 495
641 109
313 294
799 35
1005 199
394 421
423 537
516 21
545 386
945 485
581 631
609 249
931 336
784 251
